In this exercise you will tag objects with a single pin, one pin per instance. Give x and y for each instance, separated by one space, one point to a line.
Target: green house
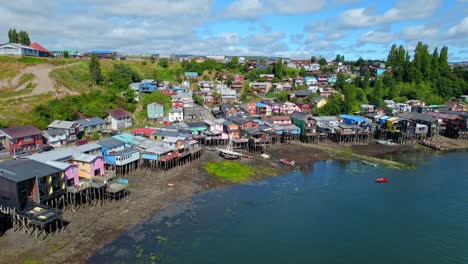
304 121
155 110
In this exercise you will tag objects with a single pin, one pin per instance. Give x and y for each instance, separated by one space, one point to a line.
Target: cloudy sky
289 28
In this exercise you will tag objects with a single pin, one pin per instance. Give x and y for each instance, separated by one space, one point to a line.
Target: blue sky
287 28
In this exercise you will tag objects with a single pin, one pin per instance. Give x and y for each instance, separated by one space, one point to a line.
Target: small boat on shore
381 180
265 156
287 162
229 153
210 148
386 142
247 156
229 156
369 163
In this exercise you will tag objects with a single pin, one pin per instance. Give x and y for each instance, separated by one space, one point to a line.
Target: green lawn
229 170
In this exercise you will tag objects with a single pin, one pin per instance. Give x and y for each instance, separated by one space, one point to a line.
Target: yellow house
391 122
320 101
89 166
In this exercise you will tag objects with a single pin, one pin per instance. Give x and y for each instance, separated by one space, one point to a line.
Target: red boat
381 180
287 162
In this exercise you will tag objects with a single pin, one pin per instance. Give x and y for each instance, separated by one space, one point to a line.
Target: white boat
386 142
228 152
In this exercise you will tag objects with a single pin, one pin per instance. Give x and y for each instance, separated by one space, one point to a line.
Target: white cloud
403 10
376 37
358 17
460 29
245 9
265 38
159 8
290 7
420 32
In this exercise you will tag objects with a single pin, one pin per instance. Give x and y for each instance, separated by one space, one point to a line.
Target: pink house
289 108
89 166
70 172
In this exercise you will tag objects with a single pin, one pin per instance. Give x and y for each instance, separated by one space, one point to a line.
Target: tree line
21 37
424 76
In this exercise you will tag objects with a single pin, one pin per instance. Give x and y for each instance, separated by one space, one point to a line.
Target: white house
55 137
176 114
389 103
118 119
71 129
17 50
227 94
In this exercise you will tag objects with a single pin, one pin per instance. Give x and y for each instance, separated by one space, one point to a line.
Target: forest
425 76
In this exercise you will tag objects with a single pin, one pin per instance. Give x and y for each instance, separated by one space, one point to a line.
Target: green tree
23 38
444 68
313 59
322 61
164 63
95 134
302 72
66 55
435 64
333 107
152 59
95 69
14 38
278 69
246 91
350 95
340 81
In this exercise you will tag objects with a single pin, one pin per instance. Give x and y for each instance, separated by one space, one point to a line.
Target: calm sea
332 213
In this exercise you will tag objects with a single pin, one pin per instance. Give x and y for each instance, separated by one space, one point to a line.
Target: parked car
46 148
80 142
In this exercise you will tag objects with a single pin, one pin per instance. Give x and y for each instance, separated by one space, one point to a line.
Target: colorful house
72 129
21 139
119 119
155 110
176 114
89 166
191 75
263 109
305 122
70 172
288 108
148 86
143 132
116 155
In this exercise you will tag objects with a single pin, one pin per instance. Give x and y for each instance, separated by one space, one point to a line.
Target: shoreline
95 226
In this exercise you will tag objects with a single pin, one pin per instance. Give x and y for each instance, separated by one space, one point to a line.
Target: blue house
115 155
354 120
147 86
180 89
191 75
332 78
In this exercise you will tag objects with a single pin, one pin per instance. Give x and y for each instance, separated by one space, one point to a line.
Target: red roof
22 131
37 46
143 131
118 113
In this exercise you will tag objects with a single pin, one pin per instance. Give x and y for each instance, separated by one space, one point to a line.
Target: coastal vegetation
228 170
425 77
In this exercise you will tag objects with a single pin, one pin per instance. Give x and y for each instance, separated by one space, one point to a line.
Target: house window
72 130
73 170
27 139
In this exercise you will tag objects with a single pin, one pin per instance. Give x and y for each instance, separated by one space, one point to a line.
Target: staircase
29 205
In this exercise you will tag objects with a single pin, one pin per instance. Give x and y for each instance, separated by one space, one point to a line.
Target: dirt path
44 84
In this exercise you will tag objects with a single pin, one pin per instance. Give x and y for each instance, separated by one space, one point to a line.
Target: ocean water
332 213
